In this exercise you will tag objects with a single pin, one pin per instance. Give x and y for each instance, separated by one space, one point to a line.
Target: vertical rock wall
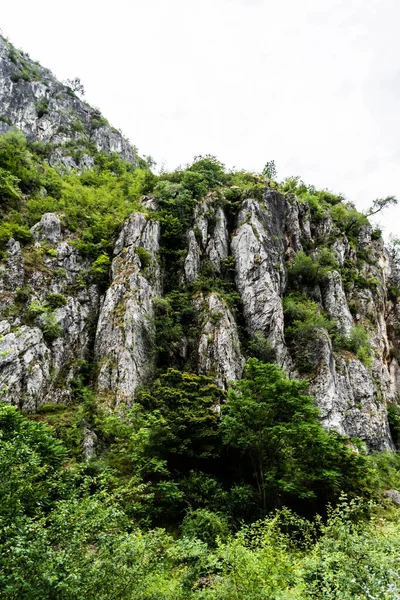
124 345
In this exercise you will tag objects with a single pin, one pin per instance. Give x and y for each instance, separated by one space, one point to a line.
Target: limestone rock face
208 240
89 443
219 350
44 109
335 302
346 393
47 317
264 239
48 229
124 345
25 363
193 259
258 247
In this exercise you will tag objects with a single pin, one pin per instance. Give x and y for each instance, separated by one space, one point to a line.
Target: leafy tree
307 270
30 461
210 168
274 425
189 404
349 219
269 170
205 525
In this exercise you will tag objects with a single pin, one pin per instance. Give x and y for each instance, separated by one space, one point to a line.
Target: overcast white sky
312 84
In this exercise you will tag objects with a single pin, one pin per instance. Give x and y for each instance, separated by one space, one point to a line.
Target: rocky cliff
51 112
207 269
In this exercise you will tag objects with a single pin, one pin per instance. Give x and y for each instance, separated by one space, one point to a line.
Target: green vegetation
65 530
50 327
275 427
311 270
94 204
194 492
306 326
144 256
358 343
55 300
42 107
173 451
25 71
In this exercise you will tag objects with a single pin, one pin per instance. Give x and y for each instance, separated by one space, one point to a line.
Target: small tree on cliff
269 170
380 203
76 86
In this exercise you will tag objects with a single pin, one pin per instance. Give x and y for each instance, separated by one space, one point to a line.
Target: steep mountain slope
197 270
48 111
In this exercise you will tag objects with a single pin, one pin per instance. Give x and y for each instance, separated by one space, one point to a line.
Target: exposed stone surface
44 109
209 239
346 393
219 352
393 495
351 396
335 302
193 259
25 363
218 244
48 229
35 368
124 346
258 246
89 443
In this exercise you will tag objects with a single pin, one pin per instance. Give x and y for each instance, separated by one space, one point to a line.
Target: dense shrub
42 107
55 300
206 526
145 257
309 271
51 329
356 342
99 271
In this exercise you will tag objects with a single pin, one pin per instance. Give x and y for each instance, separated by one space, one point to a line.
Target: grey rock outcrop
209 239
193 259
219 351
48 229
89 443
346 393
393 495
25 363
240 250
335 302
46 110
124 345
41 343
258 247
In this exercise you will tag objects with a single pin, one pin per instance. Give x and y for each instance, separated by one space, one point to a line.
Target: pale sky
311 84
